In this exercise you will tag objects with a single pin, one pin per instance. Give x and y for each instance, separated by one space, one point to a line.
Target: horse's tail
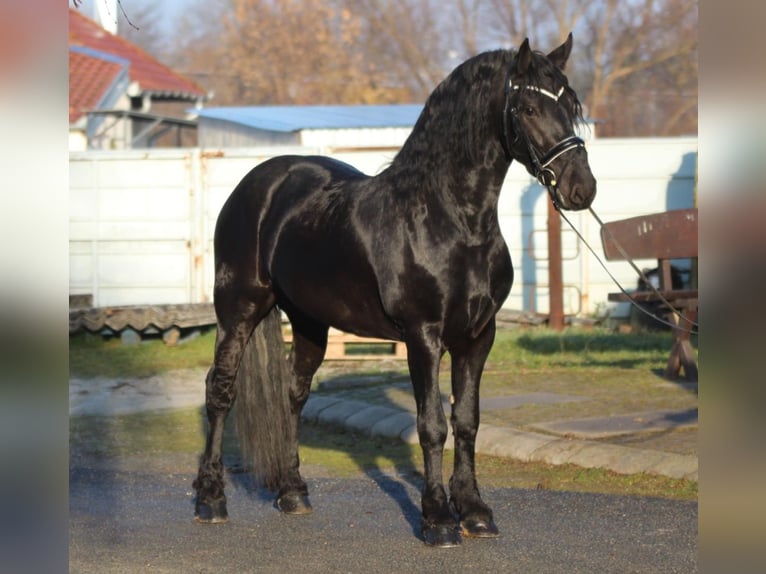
263 421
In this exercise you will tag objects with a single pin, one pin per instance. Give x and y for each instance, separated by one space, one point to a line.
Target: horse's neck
465 172
455 151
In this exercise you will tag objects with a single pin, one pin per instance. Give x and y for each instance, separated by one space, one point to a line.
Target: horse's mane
464 113
454 115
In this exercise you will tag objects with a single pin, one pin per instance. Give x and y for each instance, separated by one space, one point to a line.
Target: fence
141 222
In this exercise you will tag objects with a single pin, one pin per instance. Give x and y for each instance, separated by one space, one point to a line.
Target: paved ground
135 515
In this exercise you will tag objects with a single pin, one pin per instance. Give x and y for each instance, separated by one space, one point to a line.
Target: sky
169 9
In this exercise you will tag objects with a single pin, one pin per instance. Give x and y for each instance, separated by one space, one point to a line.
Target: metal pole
555 275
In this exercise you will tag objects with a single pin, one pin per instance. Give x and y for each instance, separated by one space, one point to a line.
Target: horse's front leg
467 365
438 524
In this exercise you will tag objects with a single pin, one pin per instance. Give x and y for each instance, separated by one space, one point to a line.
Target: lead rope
694 329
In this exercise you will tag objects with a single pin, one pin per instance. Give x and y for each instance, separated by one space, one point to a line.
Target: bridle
540 165
547 178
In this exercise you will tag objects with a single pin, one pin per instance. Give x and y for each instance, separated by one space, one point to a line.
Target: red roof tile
89 76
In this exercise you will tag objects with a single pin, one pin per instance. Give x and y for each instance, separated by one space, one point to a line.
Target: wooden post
555 274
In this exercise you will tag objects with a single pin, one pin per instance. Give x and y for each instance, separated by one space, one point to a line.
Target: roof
93 76
296 118
87 76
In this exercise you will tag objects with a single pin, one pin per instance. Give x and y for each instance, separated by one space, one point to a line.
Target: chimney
106 14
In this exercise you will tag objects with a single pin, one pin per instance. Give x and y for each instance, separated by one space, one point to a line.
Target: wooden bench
662 236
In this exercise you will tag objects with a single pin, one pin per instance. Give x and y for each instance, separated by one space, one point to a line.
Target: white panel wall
141 223
635 177
130 227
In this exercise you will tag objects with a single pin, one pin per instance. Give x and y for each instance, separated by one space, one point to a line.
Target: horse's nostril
577 195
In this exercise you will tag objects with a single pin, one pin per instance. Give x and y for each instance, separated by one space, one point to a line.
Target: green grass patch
173 431
540 349
341 454
544 349
504 472
92 355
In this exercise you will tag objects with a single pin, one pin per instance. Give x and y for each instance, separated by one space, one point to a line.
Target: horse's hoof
477 528
441 536
213 513
294 503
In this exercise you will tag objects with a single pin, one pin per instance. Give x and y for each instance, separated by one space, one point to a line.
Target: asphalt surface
134 514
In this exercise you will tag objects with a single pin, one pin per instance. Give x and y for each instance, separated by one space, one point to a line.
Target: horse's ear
560 55
523 58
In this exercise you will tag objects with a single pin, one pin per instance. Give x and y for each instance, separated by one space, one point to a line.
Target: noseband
540 165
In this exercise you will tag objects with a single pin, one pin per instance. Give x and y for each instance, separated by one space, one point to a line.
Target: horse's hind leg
306 355
237 317
467 365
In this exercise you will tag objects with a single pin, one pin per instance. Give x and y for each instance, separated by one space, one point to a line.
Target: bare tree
404 39
298 51
635 67
637 49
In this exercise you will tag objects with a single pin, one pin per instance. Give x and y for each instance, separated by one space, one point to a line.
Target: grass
342 454
92 355
587 362
524 351
542 349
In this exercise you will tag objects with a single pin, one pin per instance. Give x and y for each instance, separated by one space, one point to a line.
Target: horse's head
540 114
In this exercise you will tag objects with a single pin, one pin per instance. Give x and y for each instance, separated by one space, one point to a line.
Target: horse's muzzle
577 188
582 195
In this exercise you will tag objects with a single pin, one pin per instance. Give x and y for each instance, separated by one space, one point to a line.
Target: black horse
413 254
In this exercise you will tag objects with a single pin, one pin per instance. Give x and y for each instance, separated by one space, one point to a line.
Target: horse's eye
529 110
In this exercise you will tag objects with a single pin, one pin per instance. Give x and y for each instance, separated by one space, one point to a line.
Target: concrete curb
386 422
110 397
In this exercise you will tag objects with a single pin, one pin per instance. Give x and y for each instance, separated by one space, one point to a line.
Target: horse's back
310 173
269 191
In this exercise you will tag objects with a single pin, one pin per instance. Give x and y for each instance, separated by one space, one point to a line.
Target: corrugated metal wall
141 222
